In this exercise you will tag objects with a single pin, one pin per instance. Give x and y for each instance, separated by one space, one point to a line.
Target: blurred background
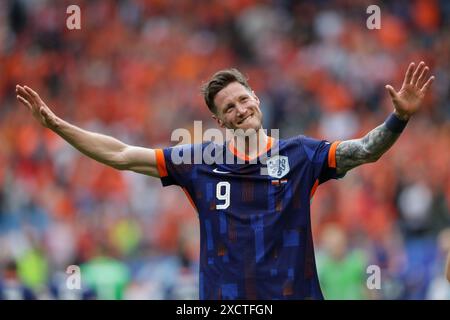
134 71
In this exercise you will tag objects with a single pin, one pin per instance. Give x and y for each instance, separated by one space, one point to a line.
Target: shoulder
189 148
194 154
311 147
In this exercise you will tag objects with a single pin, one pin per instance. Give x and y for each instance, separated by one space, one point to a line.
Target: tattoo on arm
352 153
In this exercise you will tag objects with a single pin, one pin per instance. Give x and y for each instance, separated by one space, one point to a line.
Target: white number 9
223 195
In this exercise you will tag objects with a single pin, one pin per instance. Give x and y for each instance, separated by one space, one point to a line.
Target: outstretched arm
352 153
104 149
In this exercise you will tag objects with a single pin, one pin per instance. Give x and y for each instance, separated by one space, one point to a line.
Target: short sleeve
175 165
322 154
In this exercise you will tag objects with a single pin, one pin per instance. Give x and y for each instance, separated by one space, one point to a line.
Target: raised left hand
407 101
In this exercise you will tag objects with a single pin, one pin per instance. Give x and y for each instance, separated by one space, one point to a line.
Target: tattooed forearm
352 153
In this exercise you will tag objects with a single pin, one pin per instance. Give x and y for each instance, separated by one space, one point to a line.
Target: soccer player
254 214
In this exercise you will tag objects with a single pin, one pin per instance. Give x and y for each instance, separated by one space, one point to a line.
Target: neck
252 145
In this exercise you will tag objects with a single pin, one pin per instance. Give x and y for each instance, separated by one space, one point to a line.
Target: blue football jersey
255 226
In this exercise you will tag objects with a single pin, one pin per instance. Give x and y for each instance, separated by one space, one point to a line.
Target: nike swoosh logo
218 171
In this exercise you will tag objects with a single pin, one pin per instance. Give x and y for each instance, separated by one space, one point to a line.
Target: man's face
237 108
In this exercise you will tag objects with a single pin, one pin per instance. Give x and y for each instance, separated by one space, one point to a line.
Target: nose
240 109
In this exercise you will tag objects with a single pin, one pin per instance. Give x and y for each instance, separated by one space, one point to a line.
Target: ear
219 122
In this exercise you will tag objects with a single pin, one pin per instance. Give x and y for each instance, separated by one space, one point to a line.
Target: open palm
415 84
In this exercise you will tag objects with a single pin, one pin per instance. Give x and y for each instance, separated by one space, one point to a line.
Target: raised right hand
38 108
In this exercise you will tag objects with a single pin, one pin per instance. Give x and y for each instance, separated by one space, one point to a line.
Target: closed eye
229 108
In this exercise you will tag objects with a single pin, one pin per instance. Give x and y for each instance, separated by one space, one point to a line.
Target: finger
24 94
427 84
417 72
409 74
21 91
33 94
25 102
391 91
422 77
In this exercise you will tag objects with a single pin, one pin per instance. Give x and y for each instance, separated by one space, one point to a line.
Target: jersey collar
243 156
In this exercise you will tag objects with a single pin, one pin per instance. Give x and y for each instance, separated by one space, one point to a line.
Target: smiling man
255 239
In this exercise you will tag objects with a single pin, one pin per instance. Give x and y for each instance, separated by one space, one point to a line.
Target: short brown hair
219 81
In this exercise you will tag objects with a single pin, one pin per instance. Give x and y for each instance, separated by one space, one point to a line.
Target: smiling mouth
240 122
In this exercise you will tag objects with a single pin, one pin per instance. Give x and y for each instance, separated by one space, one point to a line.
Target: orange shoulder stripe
314 188
161 163
332 154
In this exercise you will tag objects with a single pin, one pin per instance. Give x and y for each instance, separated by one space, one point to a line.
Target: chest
253 188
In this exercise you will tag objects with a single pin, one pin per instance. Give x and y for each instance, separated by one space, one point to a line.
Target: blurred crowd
134 71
